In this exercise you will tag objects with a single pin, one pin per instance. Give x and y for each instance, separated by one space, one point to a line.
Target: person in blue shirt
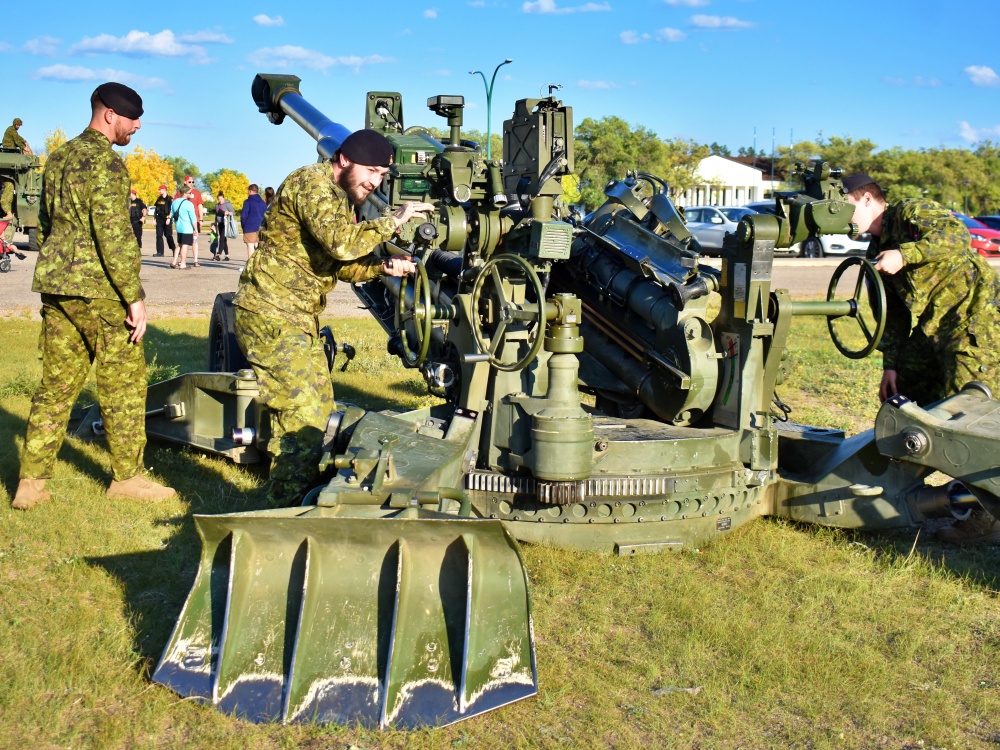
185 222
251 216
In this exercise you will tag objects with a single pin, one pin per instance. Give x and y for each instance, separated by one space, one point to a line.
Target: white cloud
597 85
288 56
43 45
76 73
261 19
431 13
973 135
206 37
688 3
719 22
477 4
549 6
140 44
662 35
442 72
670 35
981 75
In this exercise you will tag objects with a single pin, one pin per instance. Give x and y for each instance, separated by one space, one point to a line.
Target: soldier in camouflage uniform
92 302
309 240
11 140
943 310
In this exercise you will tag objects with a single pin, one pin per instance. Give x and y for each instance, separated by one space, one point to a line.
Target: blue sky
910 74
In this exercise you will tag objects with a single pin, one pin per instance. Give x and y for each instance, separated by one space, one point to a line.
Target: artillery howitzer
395 594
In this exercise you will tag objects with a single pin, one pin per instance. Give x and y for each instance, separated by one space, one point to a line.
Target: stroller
7 249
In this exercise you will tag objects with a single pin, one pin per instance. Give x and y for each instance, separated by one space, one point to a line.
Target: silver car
818 247
709 224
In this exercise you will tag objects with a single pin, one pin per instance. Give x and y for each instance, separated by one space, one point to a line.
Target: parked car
817 247
709 224
985 241
993 222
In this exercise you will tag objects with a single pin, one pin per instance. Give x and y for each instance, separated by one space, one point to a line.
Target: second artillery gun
395 595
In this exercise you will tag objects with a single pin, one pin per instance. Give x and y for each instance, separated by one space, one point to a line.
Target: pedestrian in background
184 222
136 214
162 217
194 195
223 208
251 216
92 303
268 195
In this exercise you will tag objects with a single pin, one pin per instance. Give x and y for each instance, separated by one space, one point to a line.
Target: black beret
367 147
855 181
121 99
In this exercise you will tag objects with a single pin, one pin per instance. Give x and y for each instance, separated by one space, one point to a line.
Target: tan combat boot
140 488
979 528
30 492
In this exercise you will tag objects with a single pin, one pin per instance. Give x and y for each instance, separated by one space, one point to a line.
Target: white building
720 181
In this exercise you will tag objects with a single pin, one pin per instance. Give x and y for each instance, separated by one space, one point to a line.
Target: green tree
607 149
182 167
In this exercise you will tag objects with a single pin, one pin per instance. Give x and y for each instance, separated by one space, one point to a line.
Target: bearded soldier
309 240
92 302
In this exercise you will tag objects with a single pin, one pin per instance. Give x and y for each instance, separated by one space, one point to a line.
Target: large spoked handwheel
505 316
876 299
420 312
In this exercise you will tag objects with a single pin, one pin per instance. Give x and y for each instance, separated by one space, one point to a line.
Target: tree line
965 180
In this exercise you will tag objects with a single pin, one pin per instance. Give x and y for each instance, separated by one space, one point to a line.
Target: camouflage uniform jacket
12 139
945 286
309 240
88 248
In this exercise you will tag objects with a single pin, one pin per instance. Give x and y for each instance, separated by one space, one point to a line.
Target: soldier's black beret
367 147
121 99
857 180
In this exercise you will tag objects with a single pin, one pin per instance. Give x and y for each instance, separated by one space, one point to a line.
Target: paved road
171 292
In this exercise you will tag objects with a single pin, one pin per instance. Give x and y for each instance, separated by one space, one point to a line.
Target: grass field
777 636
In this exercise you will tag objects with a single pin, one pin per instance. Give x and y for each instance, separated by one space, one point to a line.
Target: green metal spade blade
400 622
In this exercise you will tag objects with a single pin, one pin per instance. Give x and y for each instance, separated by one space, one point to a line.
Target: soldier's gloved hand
399 265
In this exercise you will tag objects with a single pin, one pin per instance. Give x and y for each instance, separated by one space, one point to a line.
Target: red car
985 240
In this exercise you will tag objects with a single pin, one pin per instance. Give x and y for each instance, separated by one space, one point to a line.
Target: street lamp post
489 101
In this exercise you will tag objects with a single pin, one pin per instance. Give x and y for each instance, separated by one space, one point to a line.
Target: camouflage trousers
76 332
6 197
295 385
925 373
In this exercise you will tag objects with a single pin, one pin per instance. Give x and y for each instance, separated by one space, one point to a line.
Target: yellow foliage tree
148 170
232 184
53 140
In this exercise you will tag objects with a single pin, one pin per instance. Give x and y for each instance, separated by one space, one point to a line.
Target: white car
709 224
818 247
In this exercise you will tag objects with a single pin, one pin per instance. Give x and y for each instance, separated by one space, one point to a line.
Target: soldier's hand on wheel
408 210
398 265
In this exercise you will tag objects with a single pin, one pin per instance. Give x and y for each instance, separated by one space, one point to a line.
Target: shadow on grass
977 565
12 425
